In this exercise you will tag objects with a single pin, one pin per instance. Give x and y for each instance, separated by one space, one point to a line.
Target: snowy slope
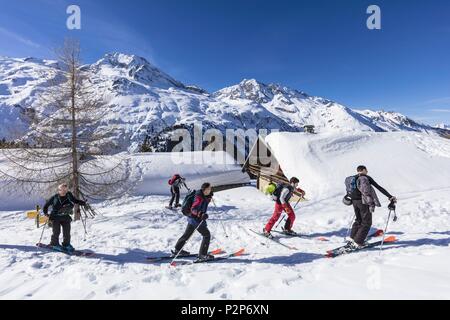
136 226
394 121
21 80
148 173
148 103
443 126
402 162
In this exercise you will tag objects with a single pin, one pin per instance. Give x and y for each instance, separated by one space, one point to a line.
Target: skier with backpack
195 207
62 208
363 197
176 182
282 195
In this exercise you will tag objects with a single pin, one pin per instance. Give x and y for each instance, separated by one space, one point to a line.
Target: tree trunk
75 176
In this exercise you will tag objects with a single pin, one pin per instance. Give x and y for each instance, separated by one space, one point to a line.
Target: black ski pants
203 230
56 227
175 191
363 222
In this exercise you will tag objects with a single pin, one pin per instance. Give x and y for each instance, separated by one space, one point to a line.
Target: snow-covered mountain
147 104
299 109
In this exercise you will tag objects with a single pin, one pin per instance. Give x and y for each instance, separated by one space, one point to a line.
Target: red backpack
174 178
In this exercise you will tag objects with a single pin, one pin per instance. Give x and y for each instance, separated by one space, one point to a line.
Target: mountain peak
135 68
124 60
257 91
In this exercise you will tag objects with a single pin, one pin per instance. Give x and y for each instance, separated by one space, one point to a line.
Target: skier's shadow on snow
419 242
445 233
296 258
342 233
22 248
132 256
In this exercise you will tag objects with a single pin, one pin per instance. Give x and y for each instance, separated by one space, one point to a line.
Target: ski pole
42 233
84 222
385 230
178 253
282 220
221 222
300 199
349 227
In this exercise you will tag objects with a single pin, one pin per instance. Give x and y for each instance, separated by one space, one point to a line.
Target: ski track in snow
129 230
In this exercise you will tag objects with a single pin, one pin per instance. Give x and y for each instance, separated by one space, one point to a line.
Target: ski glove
303 193
203 216
372 209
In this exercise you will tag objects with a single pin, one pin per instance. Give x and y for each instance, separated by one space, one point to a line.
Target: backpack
277 192
188 202
270 189
350 184
174 178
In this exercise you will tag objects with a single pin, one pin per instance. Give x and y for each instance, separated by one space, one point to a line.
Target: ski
75 253
169 257
273 240
298 235
228 256
344 250
375 234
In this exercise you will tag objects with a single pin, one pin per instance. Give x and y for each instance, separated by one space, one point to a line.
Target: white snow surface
149 174
136 226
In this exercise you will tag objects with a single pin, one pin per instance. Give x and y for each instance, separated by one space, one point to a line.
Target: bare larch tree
67 141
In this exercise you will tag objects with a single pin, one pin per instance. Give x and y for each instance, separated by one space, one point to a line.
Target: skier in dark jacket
198 219
175 185
62 205
364 199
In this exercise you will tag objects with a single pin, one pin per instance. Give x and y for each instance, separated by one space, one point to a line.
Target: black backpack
277 193
187 203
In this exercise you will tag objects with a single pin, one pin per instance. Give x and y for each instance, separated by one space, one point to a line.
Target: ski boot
182 253
267 234
353 246
289 232
57 247
204 258
177 206
69 248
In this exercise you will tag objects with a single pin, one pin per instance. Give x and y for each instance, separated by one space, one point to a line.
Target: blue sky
321 47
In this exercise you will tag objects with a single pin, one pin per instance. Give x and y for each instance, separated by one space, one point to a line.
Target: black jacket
62 206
